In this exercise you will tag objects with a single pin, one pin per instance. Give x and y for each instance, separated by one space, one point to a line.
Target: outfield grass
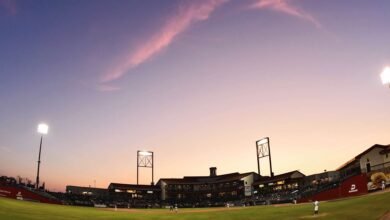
366 207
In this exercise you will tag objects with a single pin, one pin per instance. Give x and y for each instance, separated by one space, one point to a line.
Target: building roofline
357 157
199 179
281 176
86 187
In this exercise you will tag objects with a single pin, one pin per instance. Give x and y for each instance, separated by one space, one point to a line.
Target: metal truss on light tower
263 150
145 159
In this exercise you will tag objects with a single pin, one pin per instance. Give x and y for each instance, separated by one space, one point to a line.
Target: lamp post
385 76
42 129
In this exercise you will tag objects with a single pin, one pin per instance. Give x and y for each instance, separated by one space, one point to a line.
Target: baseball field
373 206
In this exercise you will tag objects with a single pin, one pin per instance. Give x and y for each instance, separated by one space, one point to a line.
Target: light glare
262 141
385 75
43 128
145 153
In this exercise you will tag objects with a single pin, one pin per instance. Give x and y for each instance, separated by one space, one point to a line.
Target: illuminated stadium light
145 153
43 128
385 76
262 141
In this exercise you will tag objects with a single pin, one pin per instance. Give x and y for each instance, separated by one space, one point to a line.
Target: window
278 188
136 196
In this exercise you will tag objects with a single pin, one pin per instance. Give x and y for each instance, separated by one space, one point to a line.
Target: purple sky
197 82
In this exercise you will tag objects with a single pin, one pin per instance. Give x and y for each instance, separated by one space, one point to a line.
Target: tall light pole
385 76
42 129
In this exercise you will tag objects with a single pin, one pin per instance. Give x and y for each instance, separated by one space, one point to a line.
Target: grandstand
278 189
11 188
204 191
360 175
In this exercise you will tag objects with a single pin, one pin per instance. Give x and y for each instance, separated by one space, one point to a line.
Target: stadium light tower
263 149
145 159
385 76
42 129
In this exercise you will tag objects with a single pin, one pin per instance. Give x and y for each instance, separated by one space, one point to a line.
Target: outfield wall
352 186
20 193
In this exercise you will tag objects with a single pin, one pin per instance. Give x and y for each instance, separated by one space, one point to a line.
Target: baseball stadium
194 109
362 181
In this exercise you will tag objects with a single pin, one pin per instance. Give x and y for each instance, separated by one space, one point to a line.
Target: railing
384 167
349 173
311 190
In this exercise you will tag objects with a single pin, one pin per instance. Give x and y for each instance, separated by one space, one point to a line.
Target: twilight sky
197 82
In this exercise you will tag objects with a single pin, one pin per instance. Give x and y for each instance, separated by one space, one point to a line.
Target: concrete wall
163 190
373 156
386 159
248 181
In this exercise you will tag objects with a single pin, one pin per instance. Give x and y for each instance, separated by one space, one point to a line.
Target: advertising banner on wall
356 185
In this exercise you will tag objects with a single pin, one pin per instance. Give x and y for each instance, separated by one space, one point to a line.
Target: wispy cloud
285 6
186 16
9 6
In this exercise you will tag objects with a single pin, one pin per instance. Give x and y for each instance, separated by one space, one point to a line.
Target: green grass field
365 207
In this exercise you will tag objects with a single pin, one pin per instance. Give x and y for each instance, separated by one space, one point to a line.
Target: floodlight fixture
43 128
385 76
145 153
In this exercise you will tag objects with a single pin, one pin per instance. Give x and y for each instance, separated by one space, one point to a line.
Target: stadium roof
85 188
124 186
206 179
283 176
386 148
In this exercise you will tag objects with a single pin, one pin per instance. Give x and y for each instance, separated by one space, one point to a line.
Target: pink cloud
9 6
187 15
285 7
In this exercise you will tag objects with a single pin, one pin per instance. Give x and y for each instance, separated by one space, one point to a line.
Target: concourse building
212 190
279 188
